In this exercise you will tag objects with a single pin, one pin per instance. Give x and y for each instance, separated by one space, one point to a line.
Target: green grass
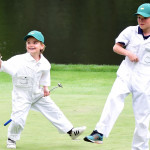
84 68
84 92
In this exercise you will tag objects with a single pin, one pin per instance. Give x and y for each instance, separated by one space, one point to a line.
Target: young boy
31 77
133 76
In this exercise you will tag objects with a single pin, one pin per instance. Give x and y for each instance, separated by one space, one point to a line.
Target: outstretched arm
0 60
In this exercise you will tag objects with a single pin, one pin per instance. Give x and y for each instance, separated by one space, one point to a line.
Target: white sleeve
9 66
45 79
124 36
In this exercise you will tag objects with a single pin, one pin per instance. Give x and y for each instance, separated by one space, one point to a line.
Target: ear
42 45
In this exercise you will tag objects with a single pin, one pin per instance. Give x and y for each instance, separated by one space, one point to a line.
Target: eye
138 17
142 18
36 42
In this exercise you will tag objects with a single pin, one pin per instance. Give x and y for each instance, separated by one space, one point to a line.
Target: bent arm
118 48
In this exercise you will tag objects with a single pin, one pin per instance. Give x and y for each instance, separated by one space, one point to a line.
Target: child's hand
132 57
46 91
119 49
0 63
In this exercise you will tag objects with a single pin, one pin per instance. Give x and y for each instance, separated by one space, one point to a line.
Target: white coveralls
28 76
132 77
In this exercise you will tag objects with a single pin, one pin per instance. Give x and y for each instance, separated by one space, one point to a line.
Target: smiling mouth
31 49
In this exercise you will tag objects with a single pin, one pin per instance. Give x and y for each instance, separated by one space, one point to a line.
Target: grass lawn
84 92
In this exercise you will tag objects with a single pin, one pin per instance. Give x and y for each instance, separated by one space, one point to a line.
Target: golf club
58 85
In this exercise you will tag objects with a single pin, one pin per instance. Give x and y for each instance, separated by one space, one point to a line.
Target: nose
30 44
141 19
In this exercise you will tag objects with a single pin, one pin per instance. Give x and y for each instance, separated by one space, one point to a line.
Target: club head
59 85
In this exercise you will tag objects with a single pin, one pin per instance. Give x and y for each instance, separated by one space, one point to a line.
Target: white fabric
28 76
131 78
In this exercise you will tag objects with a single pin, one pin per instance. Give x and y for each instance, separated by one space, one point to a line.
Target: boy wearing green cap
133 76
31 77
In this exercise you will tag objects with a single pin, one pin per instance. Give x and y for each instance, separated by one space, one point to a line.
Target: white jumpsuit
28 76
131 78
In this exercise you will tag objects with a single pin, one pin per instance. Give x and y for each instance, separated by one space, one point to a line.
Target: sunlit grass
81 99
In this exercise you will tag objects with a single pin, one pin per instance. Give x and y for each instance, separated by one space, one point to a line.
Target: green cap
144 10
36 34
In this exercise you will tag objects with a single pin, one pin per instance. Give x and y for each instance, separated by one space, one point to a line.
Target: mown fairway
84 92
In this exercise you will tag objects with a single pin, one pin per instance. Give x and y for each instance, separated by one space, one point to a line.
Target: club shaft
53 88
5 124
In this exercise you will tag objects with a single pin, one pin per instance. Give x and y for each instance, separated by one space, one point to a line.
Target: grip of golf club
5 124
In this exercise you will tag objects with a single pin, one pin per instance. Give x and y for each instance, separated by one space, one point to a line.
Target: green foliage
81 99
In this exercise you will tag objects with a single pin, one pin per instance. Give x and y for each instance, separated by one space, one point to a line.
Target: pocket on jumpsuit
23 81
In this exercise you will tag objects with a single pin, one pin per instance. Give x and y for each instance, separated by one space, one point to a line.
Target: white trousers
139 86
45 105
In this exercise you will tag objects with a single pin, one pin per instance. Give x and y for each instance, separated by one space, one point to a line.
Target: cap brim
142 14
27 36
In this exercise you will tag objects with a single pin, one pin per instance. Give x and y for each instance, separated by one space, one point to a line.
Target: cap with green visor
144 10
36 34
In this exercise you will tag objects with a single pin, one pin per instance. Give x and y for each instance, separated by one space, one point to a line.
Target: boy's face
143 22
34 46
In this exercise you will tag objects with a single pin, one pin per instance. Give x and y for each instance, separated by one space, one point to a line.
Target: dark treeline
76 31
